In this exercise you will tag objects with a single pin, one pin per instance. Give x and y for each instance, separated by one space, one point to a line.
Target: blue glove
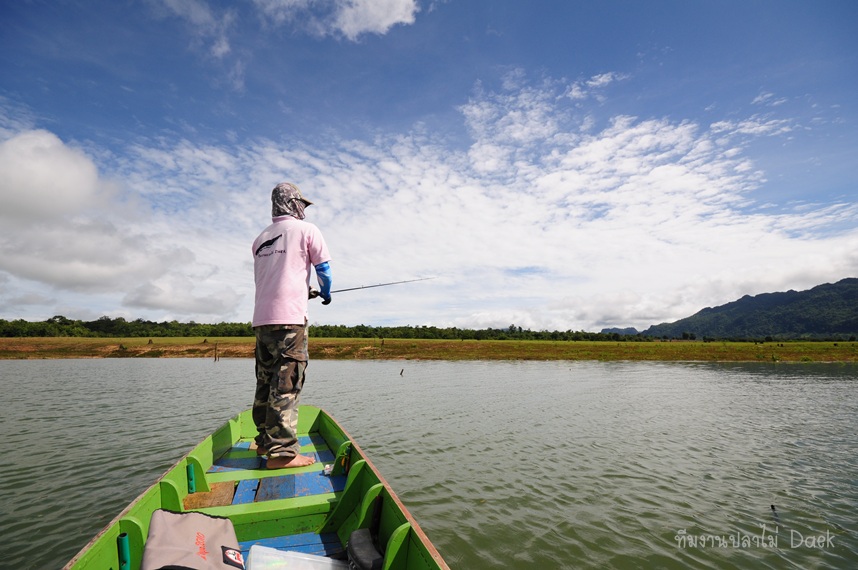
323 274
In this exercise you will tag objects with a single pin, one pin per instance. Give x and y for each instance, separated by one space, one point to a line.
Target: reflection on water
515 464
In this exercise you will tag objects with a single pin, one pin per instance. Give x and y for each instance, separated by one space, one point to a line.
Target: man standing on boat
282 256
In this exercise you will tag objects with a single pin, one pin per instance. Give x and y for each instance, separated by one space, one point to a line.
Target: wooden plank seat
288 486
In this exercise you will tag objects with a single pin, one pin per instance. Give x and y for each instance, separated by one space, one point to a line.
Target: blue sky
555 165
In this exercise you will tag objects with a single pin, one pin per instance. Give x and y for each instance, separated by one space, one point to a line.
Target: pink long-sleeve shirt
282 256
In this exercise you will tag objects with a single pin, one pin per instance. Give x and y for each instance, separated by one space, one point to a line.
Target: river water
505 464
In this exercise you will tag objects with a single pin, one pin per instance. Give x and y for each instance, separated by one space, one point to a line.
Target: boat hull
300 510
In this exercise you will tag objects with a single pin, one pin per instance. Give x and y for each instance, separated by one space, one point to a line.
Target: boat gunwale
118 518
415 526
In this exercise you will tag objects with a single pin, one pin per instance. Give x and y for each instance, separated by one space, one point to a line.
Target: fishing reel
312 294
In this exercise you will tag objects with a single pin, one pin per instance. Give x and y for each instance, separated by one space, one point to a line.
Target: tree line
453 333
119 327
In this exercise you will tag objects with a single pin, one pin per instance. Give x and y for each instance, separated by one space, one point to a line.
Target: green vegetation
105 327
827 311
452 333
60 326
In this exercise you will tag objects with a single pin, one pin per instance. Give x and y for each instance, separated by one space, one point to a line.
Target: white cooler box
264 558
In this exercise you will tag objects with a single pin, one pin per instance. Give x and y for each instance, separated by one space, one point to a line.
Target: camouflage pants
281 359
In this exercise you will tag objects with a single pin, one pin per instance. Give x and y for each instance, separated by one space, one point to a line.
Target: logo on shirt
267 244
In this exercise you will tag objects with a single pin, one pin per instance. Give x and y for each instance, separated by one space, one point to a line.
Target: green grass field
421 349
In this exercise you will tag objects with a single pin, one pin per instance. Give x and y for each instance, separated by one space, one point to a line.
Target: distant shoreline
425 349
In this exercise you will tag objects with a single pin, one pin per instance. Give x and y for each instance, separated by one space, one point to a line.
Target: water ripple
510 464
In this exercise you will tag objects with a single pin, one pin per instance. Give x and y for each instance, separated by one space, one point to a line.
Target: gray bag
190 541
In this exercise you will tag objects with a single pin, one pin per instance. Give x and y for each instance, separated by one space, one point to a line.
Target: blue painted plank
324 456
299 485
245 492
236 464
272 488
315 439
293 541
318 483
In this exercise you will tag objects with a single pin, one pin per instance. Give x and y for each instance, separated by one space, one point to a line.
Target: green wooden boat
303 510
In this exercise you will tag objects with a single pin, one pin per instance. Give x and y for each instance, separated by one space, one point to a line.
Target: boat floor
239 477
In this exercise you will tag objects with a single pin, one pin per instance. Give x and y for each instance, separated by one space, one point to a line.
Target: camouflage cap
286 200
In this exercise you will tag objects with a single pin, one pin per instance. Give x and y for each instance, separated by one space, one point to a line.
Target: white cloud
67 228
281 11
356 17
30 299
349 18
586 88
42 178
605 79
85 255
767 99
207 26
762 98
14 118
212 29
755 126
175 294
552 219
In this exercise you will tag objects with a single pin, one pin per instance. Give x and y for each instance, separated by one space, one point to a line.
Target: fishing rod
314 293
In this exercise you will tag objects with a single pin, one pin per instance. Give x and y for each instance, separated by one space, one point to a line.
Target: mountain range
825 311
